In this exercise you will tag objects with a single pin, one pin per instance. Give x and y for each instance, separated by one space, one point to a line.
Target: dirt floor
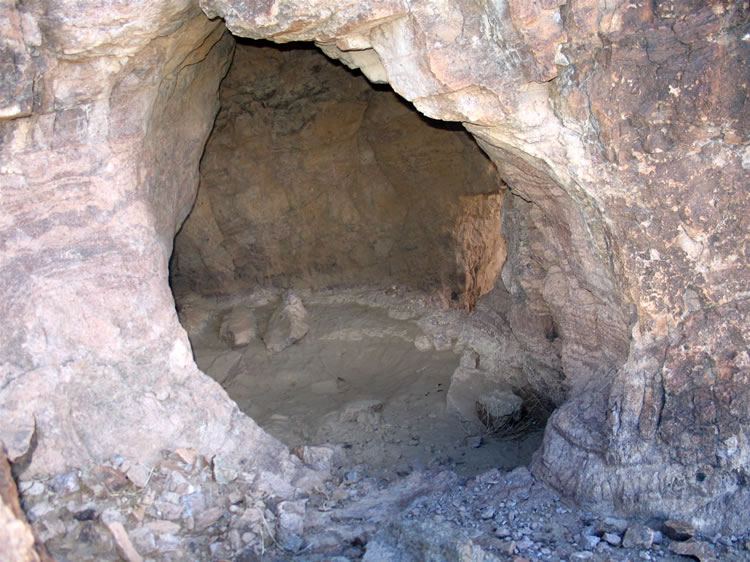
360 378
393 475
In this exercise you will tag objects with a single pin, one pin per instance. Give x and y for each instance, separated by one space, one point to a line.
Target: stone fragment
287 325
488 512
239 327
143 540
139 474
31 488
469 386
590 541
292 516
111 478
423 343
502 532
223 473
318 458
17 542
163 527
638 535
204 519
365 412
612 538
442 342
678 530
188 456
124 545
701 551
17 433
615 525
499 410
65 484
168 510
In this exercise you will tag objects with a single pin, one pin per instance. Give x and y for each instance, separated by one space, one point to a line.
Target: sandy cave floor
357 380
361 400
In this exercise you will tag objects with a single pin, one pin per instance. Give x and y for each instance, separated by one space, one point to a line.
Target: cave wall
625 126
621 126
103 127
313 178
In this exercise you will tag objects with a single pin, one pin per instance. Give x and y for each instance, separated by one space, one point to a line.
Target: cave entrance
325 275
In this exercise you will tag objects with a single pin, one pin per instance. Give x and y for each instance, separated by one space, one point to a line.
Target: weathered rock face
312 177
625 126
621 129
99 167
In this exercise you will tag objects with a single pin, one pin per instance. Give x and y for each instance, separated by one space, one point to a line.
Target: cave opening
328 269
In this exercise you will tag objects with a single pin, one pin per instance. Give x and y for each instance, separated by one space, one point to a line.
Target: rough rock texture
312 177
621 128
17 541
625 126
99 168
288 324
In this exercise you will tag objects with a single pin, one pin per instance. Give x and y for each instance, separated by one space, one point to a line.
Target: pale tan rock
139 475
188 456
124 545
470 387
366 412
699 550
17 541
287 325
238 328
423 343
208 517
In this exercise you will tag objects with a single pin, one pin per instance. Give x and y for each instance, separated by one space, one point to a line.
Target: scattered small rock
442 342
239 328
638 535
423 343
590 541
366 412
696 549
678 530
287 325
614 525
138 474
65 484
612 538
124 545
207 518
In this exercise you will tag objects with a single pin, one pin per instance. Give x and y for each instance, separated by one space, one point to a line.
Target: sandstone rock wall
312 177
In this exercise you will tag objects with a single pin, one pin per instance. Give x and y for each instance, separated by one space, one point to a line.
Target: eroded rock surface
98 171
633 253
621 129
312 178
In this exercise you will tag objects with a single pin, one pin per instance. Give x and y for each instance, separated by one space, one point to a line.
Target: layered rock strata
621 129
99 168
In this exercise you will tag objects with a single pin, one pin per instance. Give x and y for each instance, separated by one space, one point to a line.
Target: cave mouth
326 274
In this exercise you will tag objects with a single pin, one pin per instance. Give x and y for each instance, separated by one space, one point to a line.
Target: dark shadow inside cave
326 274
